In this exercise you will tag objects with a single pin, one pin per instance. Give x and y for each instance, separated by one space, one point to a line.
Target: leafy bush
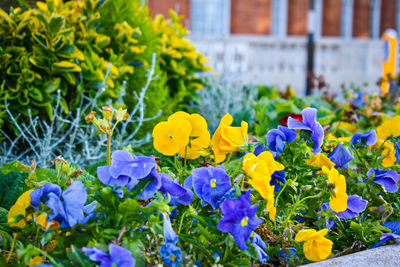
86 47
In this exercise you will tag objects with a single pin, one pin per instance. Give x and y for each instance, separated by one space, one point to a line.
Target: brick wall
251 16
362 18
388 15
331 18
297 17
163 7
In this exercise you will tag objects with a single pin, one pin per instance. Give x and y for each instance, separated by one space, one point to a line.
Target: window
210 17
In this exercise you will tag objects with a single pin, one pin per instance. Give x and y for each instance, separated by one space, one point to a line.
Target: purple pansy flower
288 254
127 170
179 194
40 195
277 178
209 183
309 123
117 256
355 205
385 238
397 147
388 179
259 148
368 138
260 247
170 253
341 156
394 226
239 218
276 138
359 101
70 210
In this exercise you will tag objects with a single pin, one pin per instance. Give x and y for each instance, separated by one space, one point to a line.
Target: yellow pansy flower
386 129
338 200
316 246
19 209
199 136
260 169
333 141
169 137
37 260
319 161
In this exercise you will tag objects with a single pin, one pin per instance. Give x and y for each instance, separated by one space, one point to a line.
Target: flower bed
298 195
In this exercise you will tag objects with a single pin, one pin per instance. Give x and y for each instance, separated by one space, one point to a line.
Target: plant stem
108 149
15 235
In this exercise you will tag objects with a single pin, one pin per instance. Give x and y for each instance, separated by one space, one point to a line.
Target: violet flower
70 210
359 101
355 205
276 138
289 254
260 247
116 256
179 194
369 138
239 219
388 179
170 253
277 178
341 156
309 123
397 147
209 183
40 195
128 170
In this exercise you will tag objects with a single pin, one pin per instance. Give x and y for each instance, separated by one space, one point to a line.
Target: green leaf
53 85
41 40
58 43
55 24
36 94
44 174
66 66
40 62
14 166
23 100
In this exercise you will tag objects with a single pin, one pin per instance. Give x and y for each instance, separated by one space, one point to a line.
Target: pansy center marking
212 183
244 221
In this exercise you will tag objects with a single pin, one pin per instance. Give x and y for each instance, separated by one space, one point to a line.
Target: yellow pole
389 38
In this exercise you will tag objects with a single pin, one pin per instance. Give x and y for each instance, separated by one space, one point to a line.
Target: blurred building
265 40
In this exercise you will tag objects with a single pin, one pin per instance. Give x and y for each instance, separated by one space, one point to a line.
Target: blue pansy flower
277 178
116 256
394 226
127 170
388 179
276 138
70 209
341 156
40 195
309 123
289 254
359 101
397 147
369 138
179 194
259 148
239 219
209 183
355 205
260 247
170 253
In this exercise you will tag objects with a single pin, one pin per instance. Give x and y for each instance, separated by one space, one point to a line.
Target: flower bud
108 113
90 117
121 114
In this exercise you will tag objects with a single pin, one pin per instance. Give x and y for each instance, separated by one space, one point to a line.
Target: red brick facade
163 7
297 17
331 14
362 18
255 16
388 15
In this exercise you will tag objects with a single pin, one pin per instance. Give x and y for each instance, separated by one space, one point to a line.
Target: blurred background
268 41
297 43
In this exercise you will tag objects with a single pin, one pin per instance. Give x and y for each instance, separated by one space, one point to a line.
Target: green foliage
89 48
11 187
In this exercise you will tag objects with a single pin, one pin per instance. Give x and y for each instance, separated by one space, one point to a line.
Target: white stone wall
281 62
